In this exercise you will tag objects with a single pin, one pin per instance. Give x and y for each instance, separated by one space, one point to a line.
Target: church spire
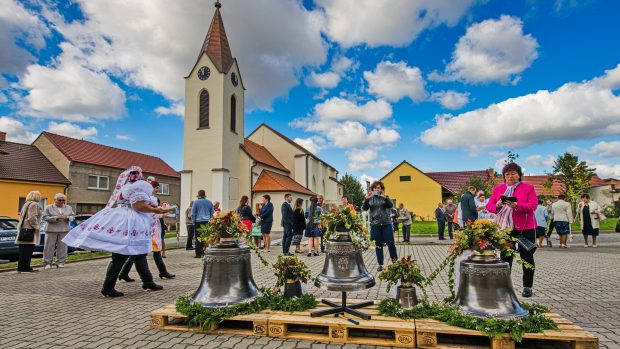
216 43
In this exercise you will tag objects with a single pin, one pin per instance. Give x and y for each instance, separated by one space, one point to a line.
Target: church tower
214 121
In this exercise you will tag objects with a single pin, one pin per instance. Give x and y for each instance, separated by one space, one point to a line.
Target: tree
479 183
353 190
574 175
511 157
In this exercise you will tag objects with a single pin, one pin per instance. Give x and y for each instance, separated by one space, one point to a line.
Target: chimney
2 136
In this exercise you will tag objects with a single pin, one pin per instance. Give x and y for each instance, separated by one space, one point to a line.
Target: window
164 189
203 111
405 178
233 113
98 182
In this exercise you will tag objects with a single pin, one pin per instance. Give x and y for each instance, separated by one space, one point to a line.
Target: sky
447 85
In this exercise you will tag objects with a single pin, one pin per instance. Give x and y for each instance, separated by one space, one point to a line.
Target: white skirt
119 230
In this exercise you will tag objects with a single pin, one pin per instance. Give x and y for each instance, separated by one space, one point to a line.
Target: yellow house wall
421 195
13 190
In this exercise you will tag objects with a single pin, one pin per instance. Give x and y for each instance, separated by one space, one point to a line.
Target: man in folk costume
123 227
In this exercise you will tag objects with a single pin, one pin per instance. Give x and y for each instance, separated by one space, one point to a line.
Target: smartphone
505 198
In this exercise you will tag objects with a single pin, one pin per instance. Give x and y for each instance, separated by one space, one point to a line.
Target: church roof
216 43
260 154
272 182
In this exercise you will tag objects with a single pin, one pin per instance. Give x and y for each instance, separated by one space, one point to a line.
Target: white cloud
342 109
574 111
177 108
16 131
325 80
71 92
366 178
349 134
72 130
17 24
153 44
395 23
492 50
362 155
607 149
541 161
451 99
395 80
605 170
313 144
124 137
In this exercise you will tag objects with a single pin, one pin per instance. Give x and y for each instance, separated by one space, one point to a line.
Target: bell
226 276
406 296
485 289
343 271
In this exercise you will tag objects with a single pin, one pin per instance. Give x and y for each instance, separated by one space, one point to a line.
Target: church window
204 109
233 113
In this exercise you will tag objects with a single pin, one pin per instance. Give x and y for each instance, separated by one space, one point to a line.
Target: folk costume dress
118 228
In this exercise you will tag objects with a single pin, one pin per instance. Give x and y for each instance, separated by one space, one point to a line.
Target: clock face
233 79
204 73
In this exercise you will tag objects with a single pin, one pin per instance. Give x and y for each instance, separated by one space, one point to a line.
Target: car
79 219
8 234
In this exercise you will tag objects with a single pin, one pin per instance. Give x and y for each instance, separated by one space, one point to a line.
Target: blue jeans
381 234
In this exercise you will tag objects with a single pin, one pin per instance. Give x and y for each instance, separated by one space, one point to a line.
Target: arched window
233 113
203 112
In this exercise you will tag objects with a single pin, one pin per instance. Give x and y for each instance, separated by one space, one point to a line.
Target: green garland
209 318
534 322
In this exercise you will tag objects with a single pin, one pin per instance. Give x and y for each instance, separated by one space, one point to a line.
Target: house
23 168
94 168
224 163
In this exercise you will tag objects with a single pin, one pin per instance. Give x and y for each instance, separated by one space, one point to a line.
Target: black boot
161 266
114 269
125 271
142 267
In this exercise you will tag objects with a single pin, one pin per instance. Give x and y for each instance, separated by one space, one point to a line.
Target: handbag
26 234
525 244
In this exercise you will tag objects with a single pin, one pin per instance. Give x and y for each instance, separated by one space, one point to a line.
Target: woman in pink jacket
517 213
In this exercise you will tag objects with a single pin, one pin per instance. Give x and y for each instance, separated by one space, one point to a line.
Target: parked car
77 221
8 234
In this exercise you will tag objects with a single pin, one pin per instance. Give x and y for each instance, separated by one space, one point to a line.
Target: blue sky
446 85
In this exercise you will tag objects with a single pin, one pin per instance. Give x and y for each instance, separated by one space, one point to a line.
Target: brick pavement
63 308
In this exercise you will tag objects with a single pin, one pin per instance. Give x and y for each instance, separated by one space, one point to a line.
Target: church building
224 163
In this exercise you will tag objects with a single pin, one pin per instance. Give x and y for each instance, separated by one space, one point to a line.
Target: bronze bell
344 268
226 276
485 289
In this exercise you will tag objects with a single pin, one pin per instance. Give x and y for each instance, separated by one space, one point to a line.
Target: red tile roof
453 181
96 154
23 162
271 181
216 44
557 188
260 154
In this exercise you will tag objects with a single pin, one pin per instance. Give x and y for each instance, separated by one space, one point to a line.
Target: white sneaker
61 265
48 266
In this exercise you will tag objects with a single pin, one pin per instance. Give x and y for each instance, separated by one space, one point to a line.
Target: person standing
57 216
404 217
395 222
319 202
244 211
313 231
522 216
256 234
381 227
440 217
481 206
266 221
590 216
450 211
202 212
124 227
468 206
542 216
562 215
299 224
287 224
28 234
189 244
551 223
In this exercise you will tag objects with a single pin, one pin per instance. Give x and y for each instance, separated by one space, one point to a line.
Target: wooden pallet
432 333
380 330
167 318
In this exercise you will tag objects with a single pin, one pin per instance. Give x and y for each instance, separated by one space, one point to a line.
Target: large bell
344 268
485 289
226 276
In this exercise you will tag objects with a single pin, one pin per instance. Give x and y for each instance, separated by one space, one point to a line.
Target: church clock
204 73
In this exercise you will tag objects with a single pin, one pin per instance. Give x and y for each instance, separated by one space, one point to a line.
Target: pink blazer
527 201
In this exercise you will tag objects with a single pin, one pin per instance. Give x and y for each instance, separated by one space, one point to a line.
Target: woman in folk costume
156 233
124 228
